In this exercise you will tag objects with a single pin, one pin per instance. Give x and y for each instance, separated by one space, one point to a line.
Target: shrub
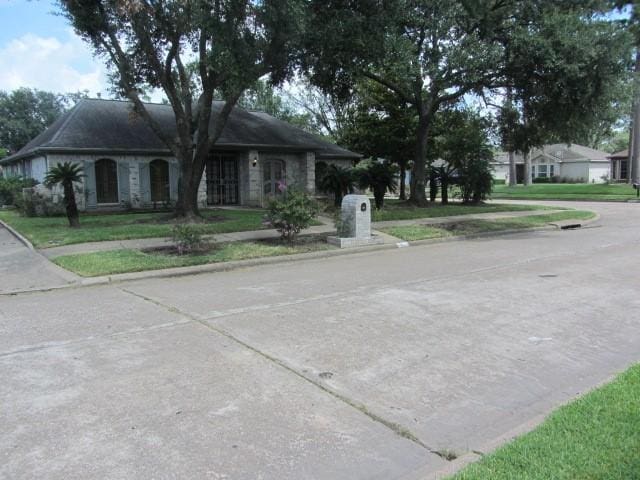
475 180
292 213
379 177
188 239
32 203
499 181
337 180
542 180
11 189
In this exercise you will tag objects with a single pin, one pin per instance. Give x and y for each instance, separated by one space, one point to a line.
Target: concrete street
366 366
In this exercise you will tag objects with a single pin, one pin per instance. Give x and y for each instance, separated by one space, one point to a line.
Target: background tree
379 127
66 174
563 70
26 112
429 54
148 43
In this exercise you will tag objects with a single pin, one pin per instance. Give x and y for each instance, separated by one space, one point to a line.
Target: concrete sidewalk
327 227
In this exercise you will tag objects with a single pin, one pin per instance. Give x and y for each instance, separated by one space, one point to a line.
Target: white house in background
573 162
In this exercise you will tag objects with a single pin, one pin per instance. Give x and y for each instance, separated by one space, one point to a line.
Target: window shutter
123 182
145 183
174 176
90 184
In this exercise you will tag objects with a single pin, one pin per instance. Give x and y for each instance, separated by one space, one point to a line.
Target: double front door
222 179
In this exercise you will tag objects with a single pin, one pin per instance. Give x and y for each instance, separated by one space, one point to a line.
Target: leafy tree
337 180
264 97
66 174
377 125
428 53
379 177
24 113
577 67
149 43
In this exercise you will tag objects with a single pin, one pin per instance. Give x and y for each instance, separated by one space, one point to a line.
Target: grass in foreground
398 210
129 260
46 232
566 191
473 227
596 437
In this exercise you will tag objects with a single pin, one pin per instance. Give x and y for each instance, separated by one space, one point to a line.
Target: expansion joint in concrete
396 428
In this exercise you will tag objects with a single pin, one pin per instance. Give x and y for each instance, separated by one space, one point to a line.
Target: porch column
310 172
255 184
202 190
134 184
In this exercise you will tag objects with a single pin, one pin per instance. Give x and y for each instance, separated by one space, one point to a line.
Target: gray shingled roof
621 154
561 153
99 126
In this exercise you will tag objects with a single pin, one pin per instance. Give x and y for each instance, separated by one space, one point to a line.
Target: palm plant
380 178
337 180
65 174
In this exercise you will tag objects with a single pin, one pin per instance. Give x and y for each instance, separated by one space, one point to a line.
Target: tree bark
444 192
527 168
418 174
513 176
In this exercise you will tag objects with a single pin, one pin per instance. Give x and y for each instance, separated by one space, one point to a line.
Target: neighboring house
126 165
620 166
572 162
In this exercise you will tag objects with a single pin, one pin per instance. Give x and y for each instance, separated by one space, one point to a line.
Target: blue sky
40 50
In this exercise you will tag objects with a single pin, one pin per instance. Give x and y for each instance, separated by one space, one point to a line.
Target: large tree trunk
418 174
513 176
403 175
444 192
634 148
527 168
191 170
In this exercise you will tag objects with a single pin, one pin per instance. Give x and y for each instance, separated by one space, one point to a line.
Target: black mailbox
636 186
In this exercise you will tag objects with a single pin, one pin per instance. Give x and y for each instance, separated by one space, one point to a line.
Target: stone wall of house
134 192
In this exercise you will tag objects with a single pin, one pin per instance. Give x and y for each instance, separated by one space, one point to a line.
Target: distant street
368 366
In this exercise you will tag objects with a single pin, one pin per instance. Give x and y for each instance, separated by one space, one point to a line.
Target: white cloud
51 64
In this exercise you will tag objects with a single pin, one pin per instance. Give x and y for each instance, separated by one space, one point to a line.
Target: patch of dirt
172 250
300 240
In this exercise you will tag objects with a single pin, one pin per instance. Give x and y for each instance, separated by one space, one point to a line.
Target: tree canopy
25 113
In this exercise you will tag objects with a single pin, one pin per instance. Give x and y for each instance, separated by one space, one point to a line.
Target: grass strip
474 227
130 260
596 437
398 210
46 232
561 191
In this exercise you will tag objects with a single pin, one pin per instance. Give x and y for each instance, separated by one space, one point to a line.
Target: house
572 162
620 170
126 165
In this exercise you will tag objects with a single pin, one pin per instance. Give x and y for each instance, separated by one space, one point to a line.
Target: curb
16 234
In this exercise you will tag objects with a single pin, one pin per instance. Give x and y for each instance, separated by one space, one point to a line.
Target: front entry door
222 179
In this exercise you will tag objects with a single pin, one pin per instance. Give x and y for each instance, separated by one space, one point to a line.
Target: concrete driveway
369 366
24 269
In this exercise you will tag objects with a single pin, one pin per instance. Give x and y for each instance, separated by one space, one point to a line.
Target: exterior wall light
254 159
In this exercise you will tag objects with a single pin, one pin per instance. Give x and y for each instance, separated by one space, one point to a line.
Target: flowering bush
292 213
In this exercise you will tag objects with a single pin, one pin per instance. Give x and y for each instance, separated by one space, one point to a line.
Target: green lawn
398 210
471 227
123 261
596 437
46 232
566 191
